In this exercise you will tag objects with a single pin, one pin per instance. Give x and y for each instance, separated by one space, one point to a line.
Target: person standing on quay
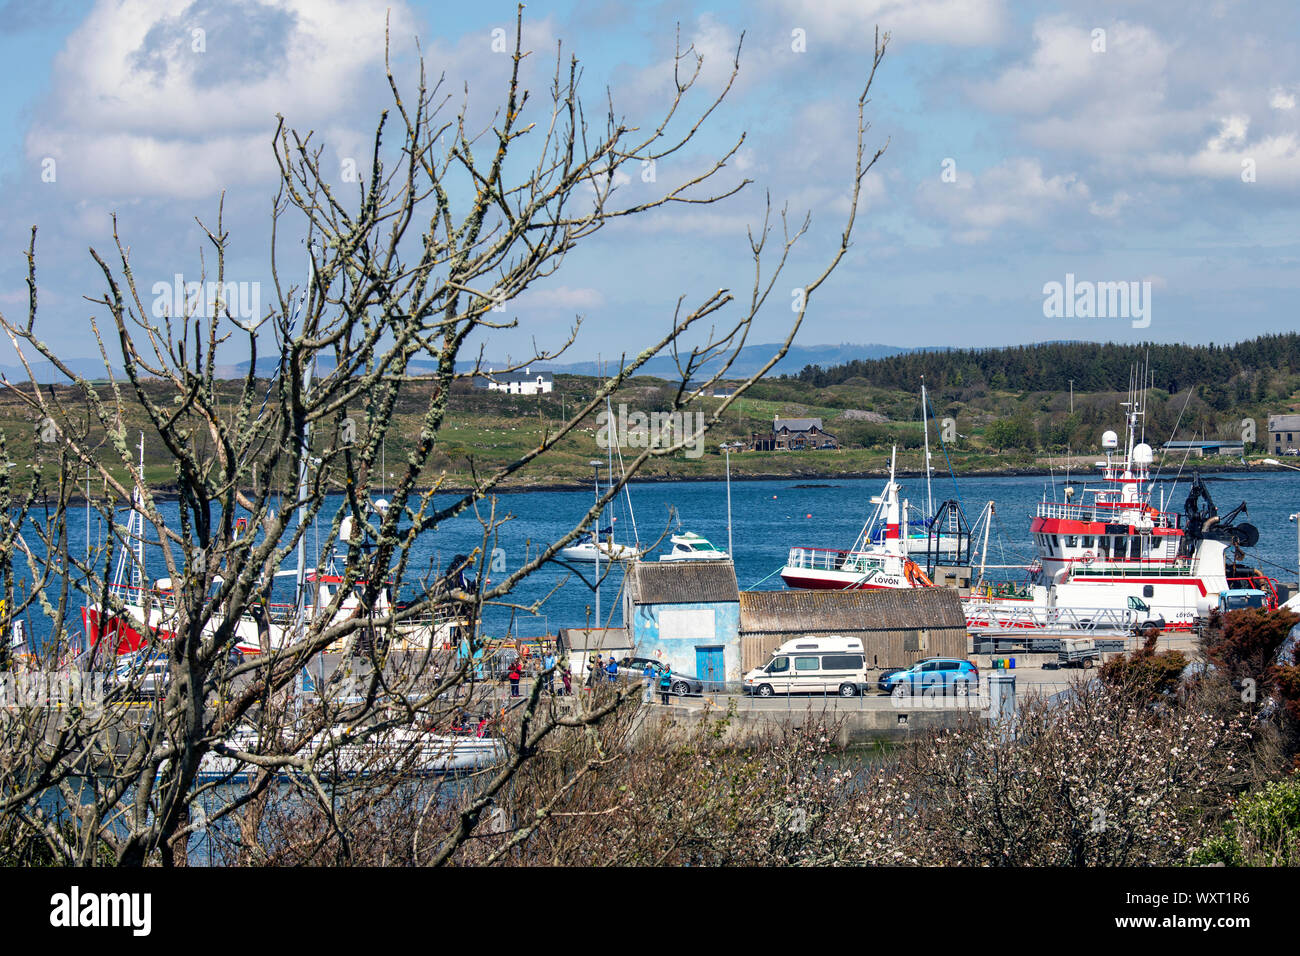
665 683
648 675
548 663
514 674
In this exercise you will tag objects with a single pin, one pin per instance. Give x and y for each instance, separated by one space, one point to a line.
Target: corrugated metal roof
859 610
595 639
683 582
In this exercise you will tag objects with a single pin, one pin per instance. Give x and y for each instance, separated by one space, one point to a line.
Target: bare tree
434 241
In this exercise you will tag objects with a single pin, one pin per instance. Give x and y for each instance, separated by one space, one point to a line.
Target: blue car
944 674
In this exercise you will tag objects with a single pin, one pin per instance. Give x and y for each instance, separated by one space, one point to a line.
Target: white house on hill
525 382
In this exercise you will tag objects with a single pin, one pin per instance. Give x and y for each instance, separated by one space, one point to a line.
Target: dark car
683 685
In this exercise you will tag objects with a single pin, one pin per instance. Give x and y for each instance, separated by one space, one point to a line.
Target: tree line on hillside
1091 366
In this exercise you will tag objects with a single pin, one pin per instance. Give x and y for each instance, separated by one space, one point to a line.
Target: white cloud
841 22
561 297
1012 193
145 104
1111 209
1280 99
1272 159
1075 99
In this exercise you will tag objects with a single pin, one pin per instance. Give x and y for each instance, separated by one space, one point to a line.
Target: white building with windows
1283 433
525 382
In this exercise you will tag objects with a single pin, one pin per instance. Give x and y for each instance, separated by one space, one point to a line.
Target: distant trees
1093 367
1015 432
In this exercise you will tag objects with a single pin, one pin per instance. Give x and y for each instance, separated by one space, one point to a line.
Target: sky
1028 144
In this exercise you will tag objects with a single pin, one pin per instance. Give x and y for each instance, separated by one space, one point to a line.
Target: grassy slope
488 429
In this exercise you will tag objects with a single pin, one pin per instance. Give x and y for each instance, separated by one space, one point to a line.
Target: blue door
709 667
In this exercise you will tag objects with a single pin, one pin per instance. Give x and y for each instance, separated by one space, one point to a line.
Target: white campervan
820 665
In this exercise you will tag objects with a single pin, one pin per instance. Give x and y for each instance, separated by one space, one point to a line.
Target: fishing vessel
136 609
263 628
880 558
1108 550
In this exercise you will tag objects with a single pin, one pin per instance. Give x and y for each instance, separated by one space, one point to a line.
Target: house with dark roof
1283 433
519 382
794 434
687 614
897 626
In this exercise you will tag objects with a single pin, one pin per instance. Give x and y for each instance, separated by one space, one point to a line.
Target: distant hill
1043 366
44 372
750 360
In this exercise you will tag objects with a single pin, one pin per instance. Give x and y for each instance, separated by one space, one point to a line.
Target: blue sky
1164 148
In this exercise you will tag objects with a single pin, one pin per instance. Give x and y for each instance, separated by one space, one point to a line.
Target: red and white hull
868 565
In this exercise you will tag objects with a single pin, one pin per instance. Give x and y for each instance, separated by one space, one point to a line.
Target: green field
995 430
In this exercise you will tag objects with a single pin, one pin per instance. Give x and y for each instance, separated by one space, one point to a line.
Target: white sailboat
600 547
347 752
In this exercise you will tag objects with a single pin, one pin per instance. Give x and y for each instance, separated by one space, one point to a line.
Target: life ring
1088 557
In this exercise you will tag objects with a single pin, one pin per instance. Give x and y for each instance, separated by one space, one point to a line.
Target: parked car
937 672
683 685
140 678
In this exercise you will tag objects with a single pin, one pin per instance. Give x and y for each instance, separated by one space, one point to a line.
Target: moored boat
880 558
693 547
1109 552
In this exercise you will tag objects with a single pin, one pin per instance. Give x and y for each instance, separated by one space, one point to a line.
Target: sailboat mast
301 579
627 488
925 427
137 516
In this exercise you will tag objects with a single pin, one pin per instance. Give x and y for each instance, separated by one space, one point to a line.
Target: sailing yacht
592 549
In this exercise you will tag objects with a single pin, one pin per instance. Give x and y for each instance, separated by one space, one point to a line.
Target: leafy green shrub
1264 830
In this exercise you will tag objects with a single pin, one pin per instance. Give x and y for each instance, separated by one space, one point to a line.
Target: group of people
598 668
549 666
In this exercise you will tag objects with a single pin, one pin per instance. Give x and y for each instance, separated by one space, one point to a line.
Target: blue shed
686 613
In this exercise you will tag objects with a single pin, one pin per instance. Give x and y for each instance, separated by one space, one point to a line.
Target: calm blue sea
768 518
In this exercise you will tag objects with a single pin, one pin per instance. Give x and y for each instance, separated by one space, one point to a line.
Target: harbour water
768 518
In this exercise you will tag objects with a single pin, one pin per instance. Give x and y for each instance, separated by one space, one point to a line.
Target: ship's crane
1205 522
